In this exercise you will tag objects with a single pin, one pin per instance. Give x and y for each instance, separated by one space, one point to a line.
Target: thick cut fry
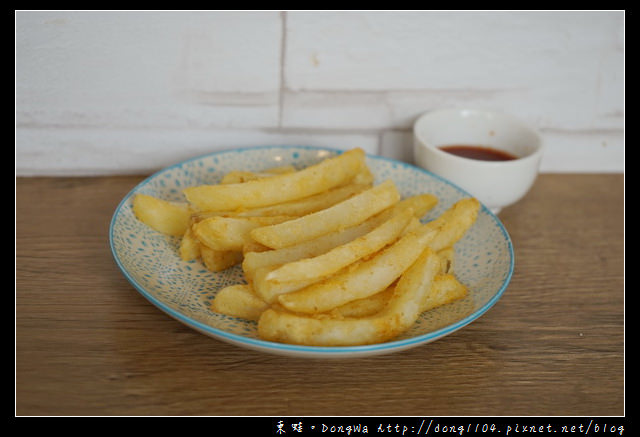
364 279
342 215
239 176
254 246
454 222
257 266
420 203
238 301
401 312
366 306
269 291
218 260
341 256
296 208
253 261
329 173
170 218
230 233
189 246
364 176
323 296
264 258
446 289
447 257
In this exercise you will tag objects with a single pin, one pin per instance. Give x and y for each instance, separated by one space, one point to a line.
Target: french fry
336 259
366 306
254 246
239 176
344 214
169 218
269 291
446 289
256 266
218 260
377 273
230 233
400 313
447 258
300 207
364 176
454 222
254 260
189 246
420 203
362 279
238 300
327 174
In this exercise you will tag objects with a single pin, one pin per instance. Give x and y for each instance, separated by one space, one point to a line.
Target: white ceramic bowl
497 184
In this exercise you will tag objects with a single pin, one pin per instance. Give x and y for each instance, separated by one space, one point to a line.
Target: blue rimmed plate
184 290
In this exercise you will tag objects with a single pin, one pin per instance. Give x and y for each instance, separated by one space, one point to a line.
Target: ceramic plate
184 290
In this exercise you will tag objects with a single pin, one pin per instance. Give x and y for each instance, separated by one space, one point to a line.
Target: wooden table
87 343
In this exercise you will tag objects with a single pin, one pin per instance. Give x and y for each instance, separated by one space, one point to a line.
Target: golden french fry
447 257
230 233
327 174
336 259
254 246
269 291
446 289
170 218
344 214
362 279
300 207
239 176
366 306
351 285
400 313
364 176
257 265
218 260
368 279
454 222
258 255
238 301
254 260
189 246
420 204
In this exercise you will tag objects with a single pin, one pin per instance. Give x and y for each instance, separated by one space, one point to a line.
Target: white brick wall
125 92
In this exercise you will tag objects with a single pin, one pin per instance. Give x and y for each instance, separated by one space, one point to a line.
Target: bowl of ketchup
492 155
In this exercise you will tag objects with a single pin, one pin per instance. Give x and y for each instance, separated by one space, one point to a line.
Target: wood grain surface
87 343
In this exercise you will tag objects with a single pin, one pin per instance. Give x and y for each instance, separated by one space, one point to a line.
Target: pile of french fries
329 257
